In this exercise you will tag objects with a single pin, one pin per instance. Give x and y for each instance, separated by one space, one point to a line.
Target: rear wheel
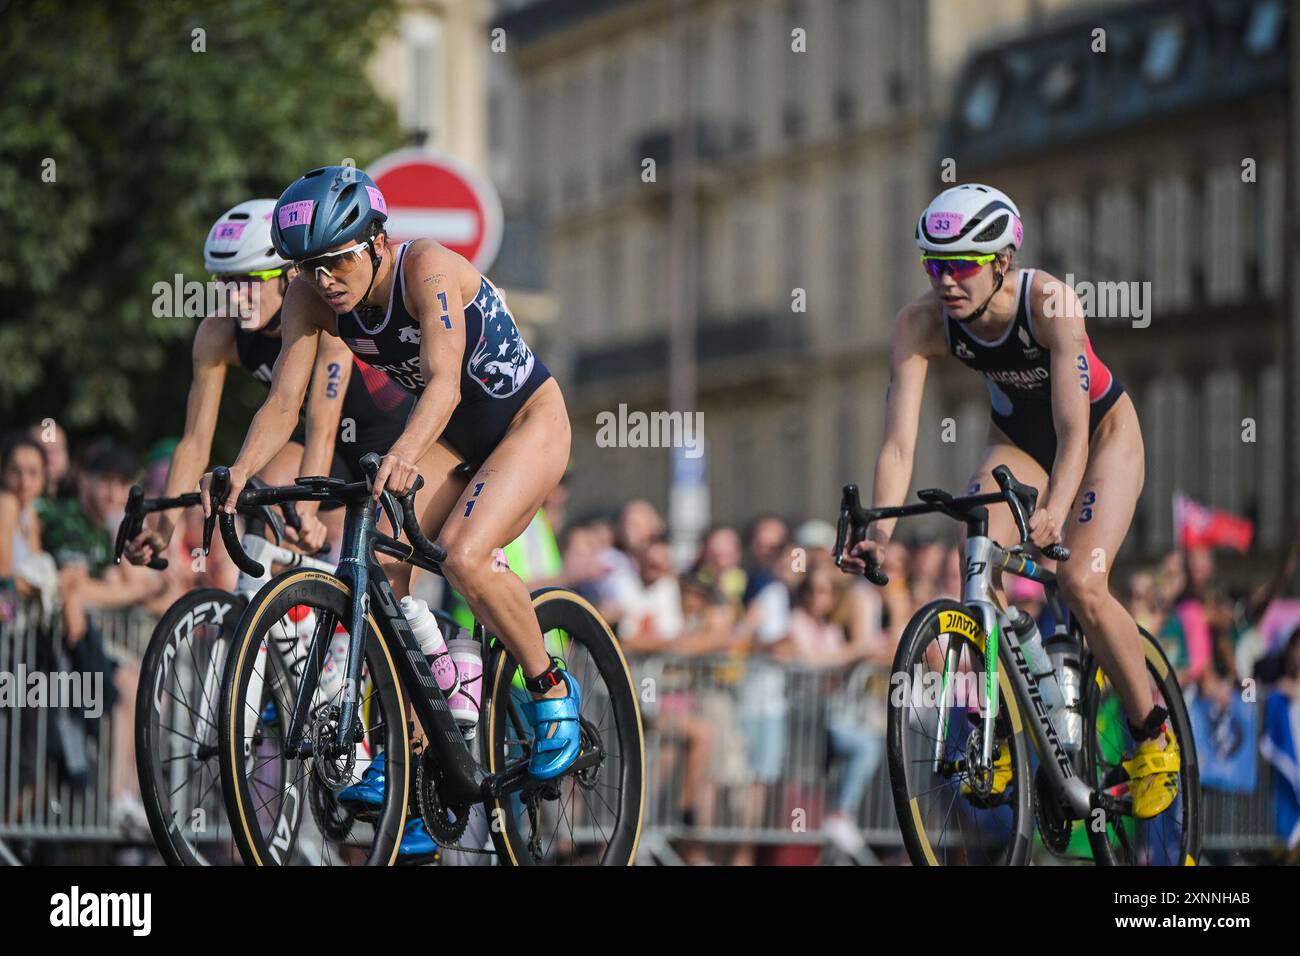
588 816
949 814
1174 837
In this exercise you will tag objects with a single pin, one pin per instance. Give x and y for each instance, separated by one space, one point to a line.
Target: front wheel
950 812
176 728
587 816
1174 837
288 810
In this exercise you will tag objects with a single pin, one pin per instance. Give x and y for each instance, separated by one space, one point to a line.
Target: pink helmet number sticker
377 201
228 231
944 223
296 213
1018 230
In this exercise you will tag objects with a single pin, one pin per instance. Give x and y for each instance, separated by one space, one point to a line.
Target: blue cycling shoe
554 752
416 841
368 793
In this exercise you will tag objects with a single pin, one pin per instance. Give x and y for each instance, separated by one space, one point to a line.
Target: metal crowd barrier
755 732
722 703
56 768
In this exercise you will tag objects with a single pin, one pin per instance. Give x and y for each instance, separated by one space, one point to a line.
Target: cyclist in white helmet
1060 421
238 251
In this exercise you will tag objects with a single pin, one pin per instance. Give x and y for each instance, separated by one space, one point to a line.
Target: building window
798 68
748 95
848 61
744 250
846 217
422 92
793 244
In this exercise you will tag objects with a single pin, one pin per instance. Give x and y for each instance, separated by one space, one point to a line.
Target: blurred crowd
767 595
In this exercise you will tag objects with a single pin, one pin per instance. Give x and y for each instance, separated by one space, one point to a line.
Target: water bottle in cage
1045 673
1064 652
434 646
467 654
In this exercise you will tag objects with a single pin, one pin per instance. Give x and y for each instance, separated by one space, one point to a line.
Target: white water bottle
468 656
434 646
1040 664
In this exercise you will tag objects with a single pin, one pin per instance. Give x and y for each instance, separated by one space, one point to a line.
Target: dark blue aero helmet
325 208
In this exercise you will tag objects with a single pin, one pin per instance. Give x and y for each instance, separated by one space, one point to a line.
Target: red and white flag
1200 526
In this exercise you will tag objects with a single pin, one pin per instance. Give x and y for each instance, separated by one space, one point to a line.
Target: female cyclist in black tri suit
1060 420
431 321
347 393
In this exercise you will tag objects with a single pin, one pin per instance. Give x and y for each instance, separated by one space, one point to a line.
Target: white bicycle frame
982 556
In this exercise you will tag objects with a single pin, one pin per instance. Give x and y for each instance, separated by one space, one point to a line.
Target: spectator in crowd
817 640
79 533
637 527
774 564
719 558
660 615
897 594
1186 634
54 442
1143 601
26 571
1280 746
924 572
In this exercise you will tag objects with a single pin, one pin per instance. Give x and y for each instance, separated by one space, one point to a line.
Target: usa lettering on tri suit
497 376
1017 370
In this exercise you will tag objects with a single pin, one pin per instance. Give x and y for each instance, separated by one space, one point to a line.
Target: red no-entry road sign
432 196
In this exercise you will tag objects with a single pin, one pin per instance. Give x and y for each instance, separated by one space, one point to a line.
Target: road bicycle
591 814
965 705
177 701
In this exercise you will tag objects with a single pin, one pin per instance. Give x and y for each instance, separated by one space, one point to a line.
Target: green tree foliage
147 141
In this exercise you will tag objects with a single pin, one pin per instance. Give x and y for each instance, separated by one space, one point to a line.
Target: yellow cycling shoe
1001 775
1153 777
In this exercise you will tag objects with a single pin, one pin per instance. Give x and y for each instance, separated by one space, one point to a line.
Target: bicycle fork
989 624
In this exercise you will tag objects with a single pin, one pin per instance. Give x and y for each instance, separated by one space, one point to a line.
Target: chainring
446 822
1052 823
332 819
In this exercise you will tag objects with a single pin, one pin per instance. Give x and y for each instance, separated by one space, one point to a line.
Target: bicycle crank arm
516 777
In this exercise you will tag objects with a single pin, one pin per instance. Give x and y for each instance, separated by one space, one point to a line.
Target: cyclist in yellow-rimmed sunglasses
239 255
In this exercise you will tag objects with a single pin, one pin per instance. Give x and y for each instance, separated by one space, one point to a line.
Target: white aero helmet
240 241
969 218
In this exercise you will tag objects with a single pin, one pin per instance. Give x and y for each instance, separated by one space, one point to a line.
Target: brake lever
132 524
851 530
389 503
217 491
1011 493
